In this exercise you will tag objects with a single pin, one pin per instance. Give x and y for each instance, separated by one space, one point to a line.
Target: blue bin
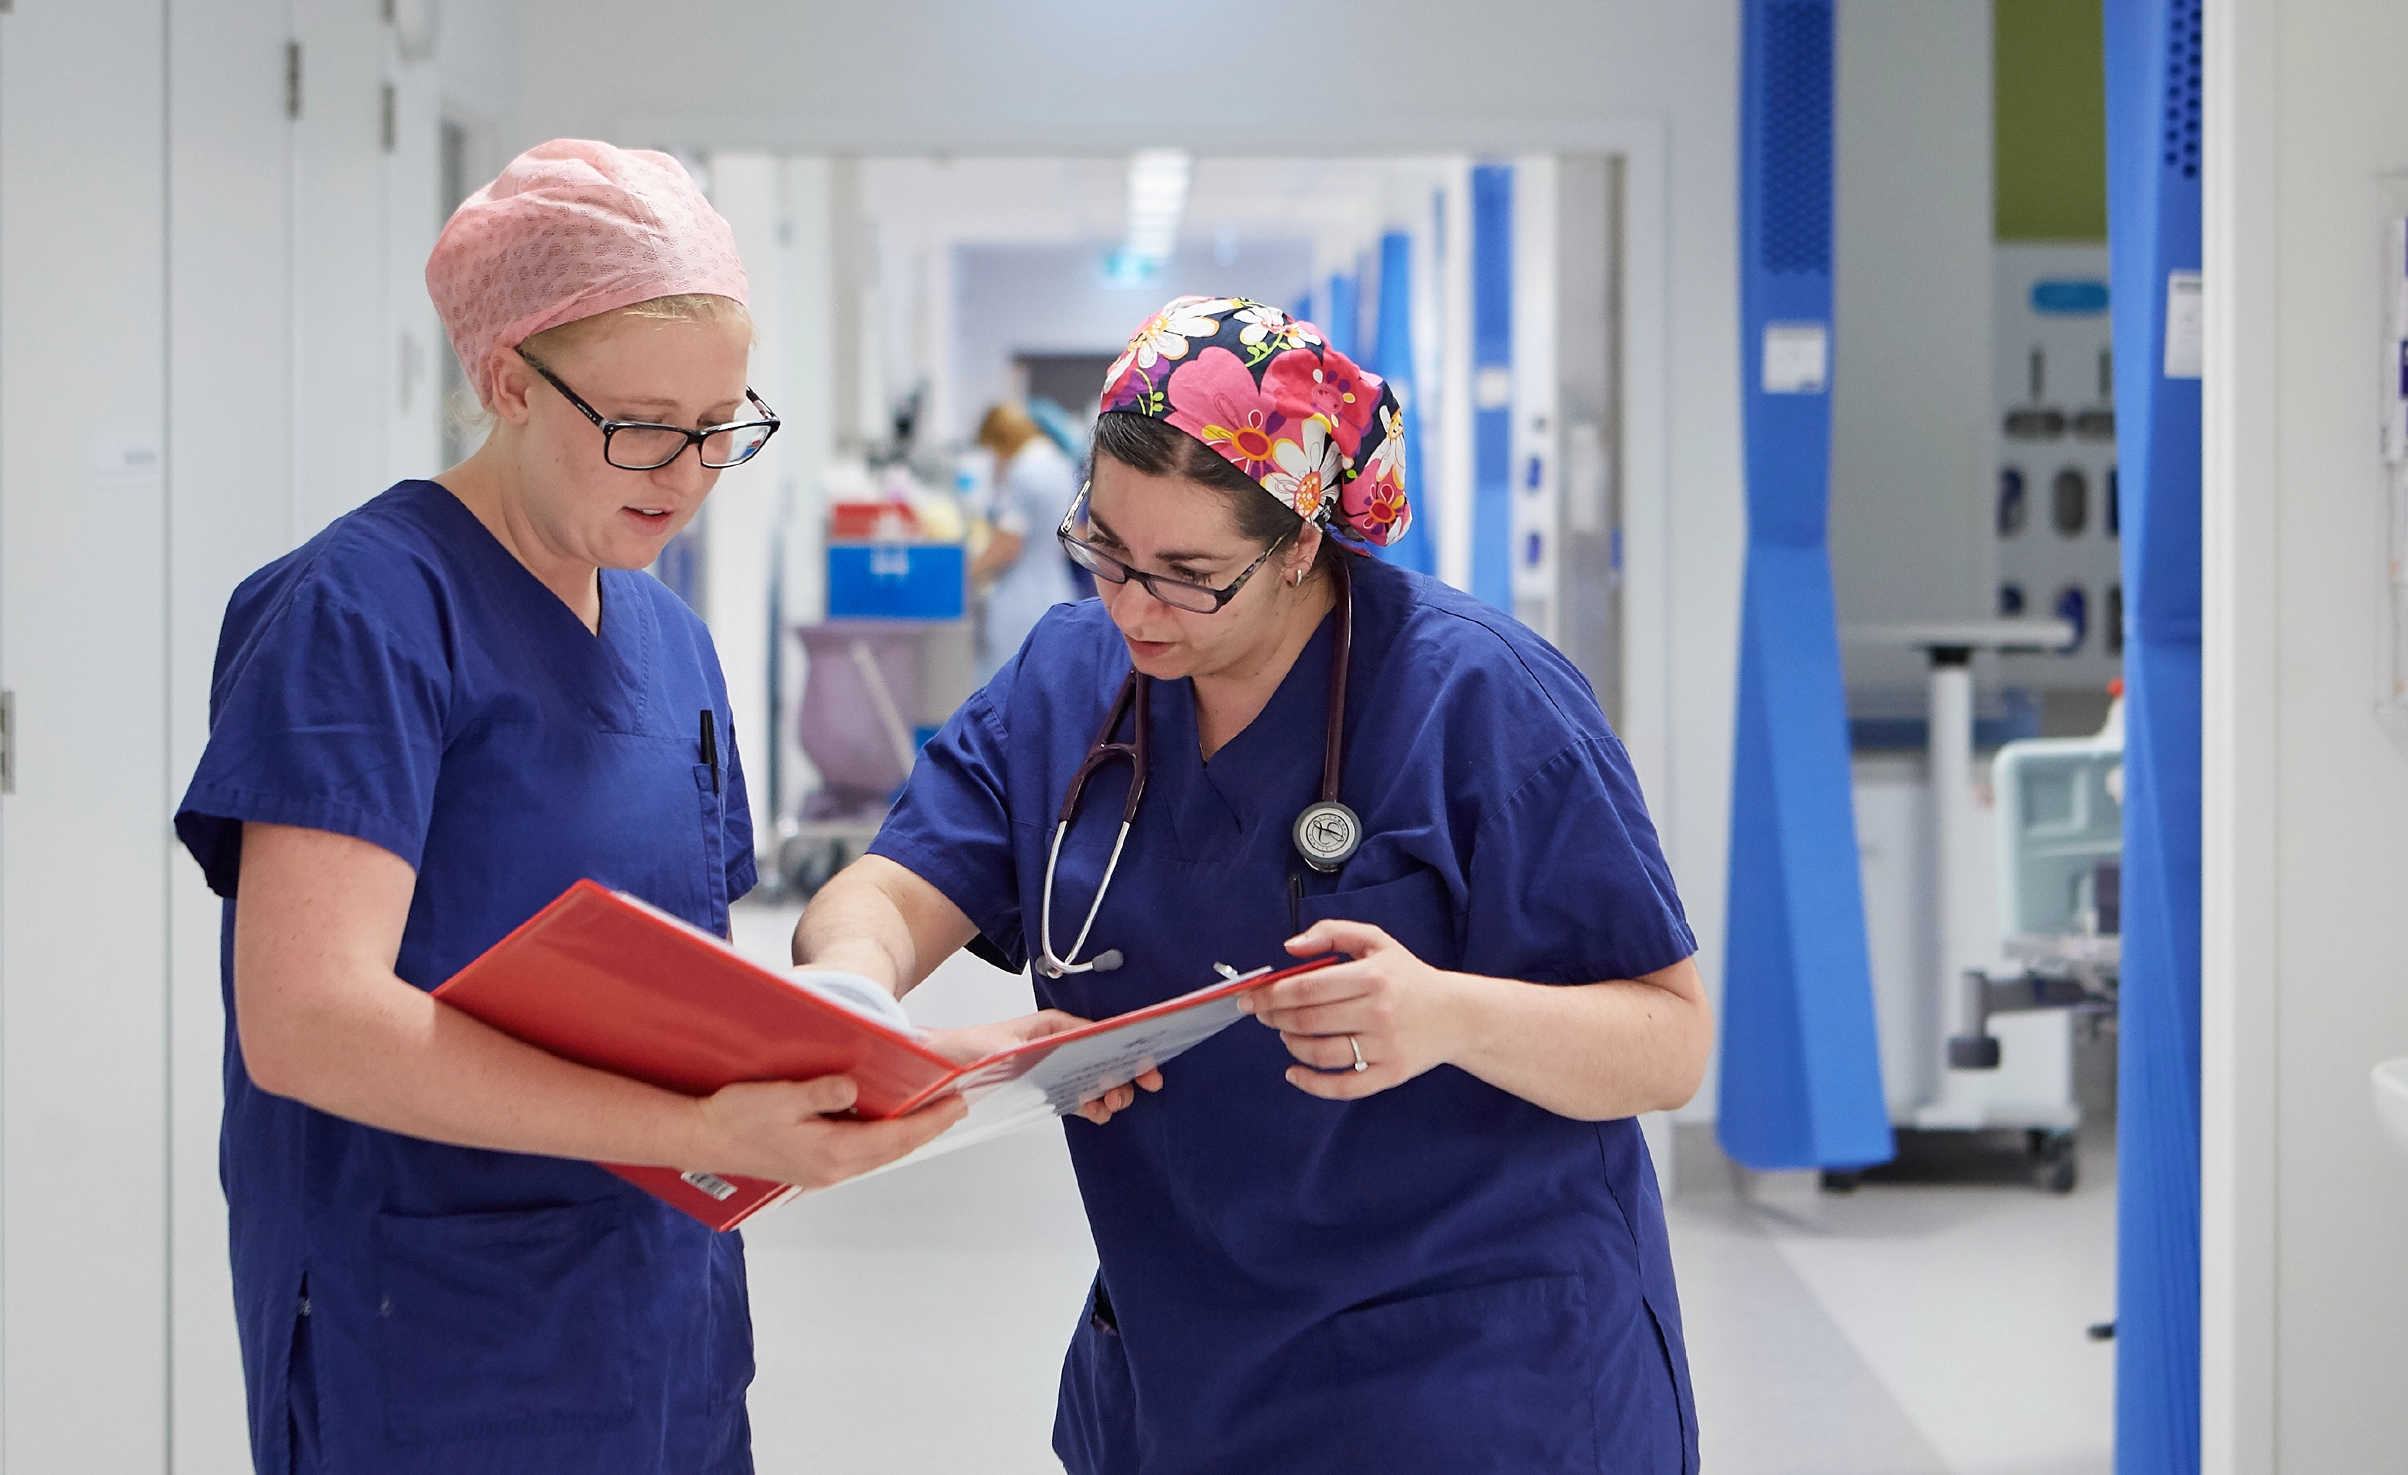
895 581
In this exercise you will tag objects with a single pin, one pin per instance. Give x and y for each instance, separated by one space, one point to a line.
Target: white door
84 841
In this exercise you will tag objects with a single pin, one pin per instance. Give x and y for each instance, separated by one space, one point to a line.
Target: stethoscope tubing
1132 699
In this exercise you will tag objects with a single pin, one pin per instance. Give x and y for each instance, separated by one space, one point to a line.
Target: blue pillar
1392 360
2152 77
1801 1067
1341 320
1492 371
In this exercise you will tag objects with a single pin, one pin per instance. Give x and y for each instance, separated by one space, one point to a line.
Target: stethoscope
1325 834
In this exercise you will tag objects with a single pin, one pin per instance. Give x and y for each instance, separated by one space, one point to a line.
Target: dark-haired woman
1411 1225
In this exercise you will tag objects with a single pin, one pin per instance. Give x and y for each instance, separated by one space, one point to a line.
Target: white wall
83 871
1011 299
2305 1288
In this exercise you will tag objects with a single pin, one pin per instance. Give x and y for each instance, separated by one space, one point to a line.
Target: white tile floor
916 1321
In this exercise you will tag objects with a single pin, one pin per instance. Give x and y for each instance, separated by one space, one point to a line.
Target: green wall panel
2049 119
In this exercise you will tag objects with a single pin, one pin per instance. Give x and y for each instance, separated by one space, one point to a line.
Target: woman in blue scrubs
1409 1225
426 723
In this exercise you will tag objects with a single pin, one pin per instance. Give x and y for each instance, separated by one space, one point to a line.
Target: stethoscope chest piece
1327 835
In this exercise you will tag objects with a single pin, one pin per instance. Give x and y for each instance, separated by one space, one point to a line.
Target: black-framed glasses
1200 599
640 445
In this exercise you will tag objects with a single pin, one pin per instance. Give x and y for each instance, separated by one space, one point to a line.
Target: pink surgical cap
573 228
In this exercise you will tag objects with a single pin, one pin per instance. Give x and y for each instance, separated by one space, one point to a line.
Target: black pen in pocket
710 746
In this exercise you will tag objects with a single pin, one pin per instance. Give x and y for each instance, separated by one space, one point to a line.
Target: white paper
858 994
1076 1073
1797 358
2186 326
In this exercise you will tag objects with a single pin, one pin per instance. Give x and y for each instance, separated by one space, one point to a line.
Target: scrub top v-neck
402 679
1442 1277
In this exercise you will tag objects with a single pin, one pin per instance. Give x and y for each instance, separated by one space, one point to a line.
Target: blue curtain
1392 360
1492 363
1801 1066
2152 76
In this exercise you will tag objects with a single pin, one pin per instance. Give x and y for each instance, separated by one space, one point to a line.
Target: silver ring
1353 1044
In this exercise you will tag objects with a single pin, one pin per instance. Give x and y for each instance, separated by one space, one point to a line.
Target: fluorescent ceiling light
1157 199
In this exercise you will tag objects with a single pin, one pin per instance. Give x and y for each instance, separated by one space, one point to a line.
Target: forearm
879 920
384 1053
1595 1052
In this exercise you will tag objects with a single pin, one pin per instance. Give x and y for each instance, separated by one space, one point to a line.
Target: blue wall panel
1341 318
1392 360
1492 354
1801 1067
2152 61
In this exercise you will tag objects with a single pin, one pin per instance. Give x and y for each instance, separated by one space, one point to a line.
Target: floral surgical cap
1273 399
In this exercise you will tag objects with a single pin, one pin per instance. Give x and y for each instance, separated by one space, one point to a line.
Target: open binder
606 980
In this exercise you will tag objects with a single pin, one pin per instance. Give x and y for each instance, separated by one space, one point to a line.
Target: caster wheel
2058 1169
1836 1181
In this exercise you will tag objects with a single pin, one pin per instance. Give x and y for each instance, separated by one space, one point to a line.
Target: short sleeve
324 718
1011 504
1568 882
1037 489
952 827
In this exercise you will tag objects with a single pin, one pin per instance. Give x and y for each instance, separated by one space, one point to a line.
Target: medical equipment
2057 520
2060 855
1935 950
1325 834
869 689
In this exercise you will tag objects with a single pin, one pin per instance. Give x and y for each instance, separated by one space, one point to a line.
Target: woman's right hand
783 1131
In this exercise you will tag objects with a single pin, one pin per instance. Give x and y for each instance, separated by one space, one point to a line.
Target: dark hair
1143 443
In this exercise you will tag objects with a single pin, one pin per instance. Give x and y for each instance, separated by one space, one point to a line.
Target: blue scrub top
1443 1277
403 679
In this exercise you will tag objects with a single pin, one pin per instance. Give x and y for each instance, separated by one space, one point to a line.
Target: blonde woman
425 723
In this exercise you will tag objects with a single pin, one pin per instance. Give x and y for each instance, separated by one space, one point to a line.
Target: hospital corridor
1626 736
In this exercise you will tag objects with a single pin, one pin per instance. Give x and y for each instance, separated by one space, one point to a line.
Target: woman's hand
1401 1014
976 1042
784 1131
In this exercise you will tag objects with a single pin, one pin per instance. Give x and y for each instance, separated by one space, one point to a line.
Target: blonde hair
709 308
686 307
1005 429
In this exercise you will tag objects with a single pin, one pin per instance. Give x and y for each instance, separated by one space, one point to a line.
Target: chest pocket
714 843
1414 909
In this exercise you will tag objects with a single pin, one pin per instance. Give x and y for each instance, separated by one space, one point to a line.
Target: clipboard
609 981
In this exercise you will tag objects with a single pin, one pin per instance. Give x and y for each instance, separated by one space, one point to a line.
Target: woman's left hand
1388 1008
